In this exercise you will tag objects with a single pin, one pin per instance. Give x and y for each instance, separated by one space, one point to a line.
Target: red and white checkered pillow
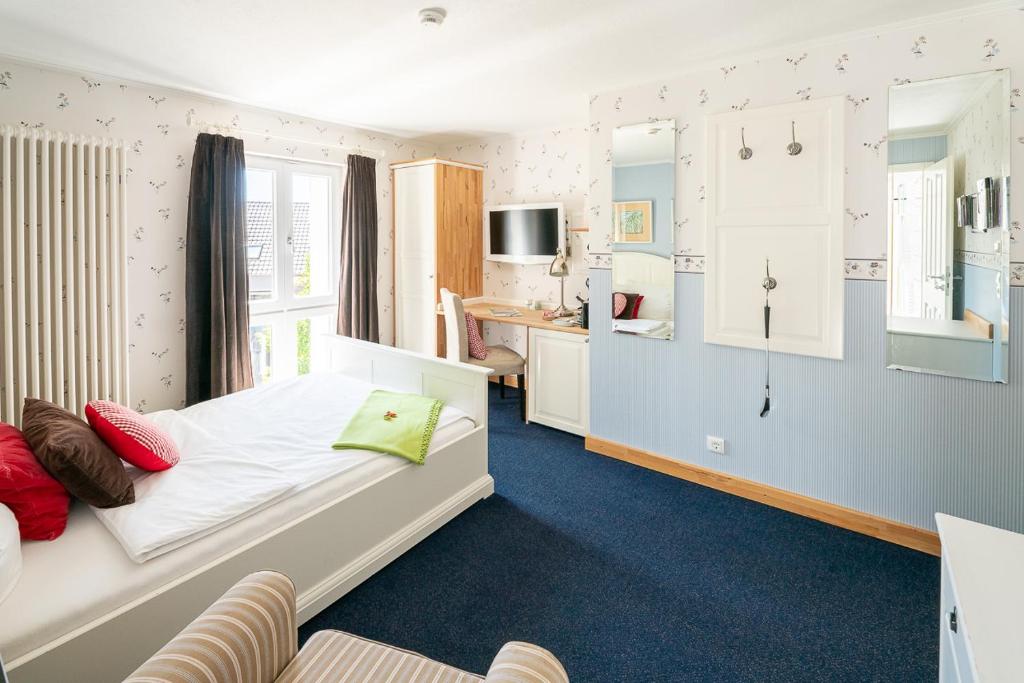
477 348
618 304
134 438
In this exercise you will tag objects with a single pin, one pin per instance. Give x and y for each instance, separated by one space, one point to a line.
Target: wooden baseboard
847 518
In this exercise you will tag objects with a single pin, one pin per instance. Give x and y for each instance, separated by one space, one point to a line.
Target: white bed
245 452
84 610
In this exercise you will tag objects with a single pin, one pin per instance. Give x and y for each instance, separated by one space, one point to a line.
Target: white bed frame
393 513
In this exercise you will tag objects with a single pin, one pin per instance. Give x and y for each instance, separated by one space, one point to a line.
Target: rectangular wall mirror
949 243
643 193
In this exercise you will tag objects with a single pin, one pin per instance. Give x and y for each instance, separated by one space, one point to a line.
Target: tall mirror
949 241
643 192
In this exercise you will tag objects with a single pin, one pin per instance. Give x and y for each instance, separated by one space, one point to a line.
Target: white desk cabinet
981 631
558 380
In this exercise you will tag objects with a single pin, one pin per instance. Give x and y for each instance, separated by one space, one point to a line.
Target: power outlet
716 444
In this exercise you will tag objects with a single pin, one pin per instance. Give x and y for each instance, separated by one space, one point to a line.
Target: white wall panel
784 209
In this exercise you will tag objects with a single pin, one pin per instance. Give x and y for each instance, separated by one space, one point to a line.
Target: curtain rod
221 129
295 160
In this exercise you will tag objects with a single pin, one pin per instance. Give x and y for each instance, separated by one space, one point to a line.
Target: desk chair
501 360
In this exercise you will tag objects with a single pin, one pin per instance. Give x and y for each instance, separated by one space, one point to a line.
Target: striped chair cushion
248 636
525 663
331 656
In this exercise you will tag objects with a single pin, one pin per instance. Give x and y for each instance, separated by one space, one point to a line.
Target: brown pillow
73 454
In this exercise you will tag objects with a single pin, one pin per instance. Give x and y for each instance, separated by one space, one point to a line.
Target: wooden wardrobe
438 242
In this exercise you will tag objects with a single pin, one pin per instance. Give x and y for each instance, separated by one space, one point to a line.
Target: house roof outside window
260 229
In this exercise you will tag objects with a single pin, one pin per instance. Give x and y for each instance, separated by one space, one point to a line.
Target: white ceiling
646 143
932 106
495 66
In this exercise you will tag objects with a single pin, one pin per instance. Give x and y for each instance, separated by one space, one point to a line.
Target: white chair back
456 340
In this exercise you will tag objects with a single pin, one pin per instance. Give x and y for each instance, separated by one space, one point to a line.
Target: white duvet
239 454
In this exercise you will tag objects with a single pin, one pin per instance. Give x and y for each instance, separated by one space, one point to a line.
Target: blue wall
895 444
978 287
655 182
917 150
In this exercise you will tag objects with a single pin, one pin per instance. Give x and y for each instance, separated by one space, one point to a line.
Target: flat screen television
524 233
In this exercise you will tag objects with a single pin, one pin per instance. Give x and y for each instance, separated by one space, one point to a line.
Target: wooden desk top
529 318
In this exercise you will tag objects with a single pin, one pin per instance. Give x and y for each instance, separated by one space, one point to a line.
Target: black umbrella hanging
769 283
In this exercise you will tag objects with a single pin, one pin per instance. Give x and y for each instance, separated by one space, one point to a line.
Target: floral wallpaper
544 166
860 70
570 164
161 126
976 143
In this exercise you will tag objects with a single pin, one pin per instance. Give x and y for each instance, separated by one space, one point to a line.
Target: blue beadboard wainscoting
898 445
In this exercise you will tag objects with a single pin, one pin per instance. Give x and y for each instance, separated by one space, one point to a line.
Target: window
293 242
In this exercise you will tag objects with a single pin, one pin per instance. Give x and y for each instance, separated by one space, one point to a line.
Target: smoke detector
432 16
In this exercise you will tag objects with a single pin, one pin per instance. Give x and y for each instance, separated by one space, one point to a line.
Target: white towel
638 326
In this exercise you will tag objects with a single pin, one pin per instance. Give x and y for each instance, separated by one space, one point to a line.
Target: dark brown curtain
357 299
216 278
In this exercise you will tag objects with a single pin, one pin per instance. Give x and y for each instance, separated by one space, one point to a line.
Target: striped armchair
250 635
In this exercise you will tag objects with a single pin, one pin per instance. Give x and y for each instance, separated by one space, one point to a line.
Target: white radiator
63 330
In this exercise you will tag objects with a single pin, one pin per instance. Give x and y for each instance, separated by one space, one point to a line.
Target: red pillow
38 501
134 438
477 348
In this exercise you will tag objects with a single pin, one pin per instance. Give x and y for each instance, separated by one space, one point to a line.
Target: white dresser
981 632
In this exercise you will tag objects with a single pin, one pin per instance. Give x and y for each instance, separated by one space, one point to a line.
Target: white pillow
10 552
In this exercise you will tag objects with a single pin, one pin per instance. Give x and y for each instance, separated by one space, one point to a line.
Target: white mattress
86 574
240 453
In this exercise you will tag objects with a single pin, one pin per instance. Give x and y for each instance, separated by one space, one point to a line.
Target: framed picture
633 222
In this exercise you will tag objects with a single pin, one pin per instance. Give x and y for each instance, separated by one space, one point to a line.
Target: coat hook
794 147
745 152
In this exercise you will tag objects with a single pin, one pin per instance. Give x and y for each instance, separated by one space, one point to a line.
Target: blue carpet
630 575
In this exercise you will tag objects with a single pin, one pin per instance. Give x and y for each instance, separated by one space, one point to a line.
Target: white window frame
284 310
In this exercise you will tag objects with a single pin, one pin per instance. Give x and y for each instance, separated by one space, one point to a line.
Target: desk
529 318
557 367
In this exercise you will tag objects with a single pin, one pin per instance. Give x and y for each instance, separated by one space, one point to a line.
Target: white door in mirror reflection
922 222
937 233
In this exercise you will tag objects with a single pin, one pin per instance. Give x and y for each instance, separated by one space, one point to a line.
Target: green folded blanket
388 422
